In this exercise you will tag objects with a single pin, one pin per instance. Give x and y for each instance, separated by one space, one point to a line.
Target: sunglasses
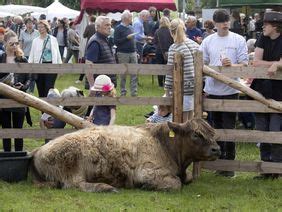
14 44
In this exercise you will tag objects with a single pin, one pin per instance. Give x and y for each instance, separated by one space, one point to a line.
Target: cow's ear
175 127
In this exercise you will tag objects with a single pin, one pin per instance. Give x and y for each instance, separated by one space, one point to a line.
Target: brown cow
103 158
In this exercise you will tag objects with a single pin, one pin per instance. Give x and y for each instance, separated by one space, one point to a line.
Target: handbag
165 54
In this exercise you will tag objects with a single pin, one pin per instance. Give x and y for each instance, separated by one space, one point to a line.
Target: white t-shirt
214 48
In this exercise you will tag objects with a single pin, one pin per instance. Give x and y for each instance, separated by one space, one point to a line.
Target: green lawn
208 193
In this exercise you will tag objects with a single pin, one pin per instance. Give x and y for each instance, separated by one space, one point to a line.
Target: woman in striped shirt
187 47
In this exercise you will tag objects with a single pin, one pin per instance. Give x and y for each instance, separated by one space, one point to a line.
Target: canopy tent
114 16
57 9
256 3
121 5
20 9
5 14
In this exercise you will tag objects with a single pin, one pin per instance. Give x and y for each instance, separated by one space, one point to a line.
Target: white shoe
78 81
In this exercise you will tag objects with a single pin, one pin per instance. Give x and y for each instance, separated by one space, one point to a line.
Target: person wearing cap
45 49
103 114
268 53
223 48
98 49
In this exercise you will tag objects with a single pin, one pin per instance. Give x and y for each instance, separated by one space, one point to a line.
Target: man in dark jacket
268 52
98 49
126 50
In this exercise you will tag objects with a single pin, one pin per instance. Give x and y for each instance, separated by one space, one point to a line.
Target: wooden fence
245 136
146 69
140 69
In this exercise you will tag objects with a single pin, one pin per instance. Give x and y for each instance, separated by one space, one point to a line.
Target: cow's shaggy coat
105 158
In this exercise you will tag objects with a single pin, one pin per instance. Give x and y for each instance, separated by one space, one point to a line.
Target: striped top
156 118
187 48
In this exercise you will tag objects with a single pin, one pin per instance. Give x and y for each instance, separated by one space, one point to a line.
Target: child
103 114
163 114
45 118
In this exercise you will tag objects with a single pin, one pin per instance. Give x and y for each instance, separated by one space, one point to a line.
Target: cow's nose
216 151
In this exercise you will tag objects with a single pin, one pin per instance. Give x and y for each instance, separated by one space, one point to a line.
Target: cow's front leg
96 187
80 183
158 180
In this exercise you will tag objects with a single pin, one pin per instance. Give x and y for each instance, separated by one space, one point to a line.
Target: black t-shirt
272 51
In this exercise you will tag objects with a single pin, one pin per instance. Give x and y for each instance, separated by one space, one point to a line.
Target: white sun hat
102 83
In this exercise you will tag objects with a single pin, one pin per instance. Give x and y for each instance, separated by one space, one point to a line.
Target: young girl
103 114
163 114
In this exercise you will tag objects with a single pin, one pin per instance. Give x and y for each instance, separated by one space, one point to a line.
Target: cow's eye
195 136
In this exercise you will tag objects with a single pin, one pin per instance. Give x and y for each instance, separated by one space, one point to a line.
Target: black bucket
14 166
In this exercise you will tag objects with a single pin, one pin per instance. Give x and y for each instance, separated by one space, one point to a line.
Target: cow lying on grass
151 156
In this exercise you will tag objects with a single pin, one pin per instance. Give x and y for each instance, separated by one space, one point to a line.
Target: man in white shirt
223 48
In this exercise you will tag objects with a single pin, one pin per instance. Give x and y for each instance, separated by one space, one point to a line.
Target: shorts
188 103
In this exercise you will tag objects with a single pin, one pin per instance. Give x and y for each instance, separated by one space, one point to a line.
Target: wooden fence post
198 100
178 88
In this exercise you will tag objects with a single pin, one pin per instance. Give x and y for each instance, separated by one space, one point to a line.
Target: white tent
5 14
115 16
57 9
20 9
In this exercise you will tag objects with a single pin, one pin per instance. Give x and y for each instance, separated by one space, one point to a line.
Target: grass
208 193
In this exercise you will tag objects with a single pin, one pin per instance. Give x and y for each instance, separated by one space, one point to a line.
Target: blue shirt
193 33
139 29
92 52
124 44
102 114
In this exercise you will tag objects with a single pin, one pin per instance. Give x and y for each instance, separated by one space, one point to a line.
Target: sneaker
78 81
225 173
149 114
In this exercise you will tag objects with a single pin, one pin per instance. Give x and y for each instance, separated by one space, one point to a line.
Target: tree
208 3
73 4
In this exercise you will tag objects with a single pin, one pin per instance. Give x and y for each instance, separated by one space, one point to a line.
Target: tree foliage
208 4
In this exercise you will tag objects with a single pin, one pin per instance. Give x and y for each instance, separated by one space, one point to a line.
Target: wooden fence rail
141 69
260 105
78 101
200 104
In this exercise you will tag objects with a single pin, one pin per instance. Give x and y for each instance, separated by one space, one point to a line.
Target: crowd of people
227 40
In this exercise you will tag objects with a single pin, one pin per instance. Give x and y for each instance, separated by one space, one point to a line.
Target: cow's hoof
115 190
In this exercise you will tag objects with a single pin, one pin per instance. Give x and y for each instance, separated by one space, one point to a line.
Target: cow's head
197 138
